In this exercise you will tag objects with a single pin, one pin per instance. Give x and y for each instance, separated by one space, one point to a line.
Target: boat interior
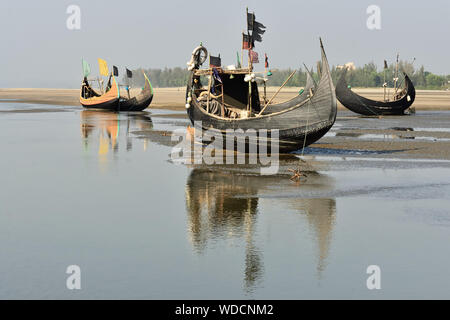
88 92
229 94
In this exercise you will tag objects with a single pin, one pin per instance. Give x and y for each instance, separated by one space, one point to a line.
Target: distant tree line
160 78
366 76
369 76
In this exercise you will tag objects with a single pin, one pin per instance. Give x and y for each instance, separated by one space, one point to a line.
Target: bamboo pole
265 95
250 67
242 49
128 86
276 93
222 108
249 107
209 86
100 84
265 75
396 76
202 72
209 92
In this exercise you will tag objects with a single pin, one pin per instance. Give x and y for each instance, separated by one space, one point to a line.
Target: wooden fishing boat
299 121
403 99
112 99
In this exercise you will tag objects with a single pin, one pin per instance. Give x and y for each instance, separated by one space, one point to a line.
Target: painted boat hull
112 100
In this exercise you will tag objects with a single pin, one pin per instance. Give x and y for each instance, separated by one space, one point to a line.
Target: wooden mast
384 80
128 84
265 76
100 84
209 85
396 76
242 48
250 67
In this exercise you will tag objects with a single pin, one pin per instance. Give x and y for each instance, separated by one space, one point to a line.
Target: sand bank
174 98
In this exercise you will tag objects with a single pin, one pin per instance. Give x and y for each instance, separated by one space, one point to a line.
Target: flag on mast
115 71
255 27
247 42
215 61
253 56
86 68
103 67
250 20
129 73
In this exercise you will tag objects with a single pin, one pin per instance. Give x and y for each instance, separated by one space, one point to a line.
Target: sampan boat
112 99
356 103
299 121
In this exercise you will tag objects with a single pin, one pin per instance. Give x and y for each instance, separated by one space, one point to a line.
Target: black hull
367 107
299 122
108 105
124 105
133 105
289 140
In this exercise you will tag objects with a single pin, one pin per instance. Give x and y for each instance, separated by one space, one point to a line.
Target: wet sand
389 136
174 98
424 136
392 136
164 98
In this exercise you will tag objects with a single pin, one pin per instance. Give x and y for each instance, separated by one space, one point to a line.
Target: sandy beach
173 98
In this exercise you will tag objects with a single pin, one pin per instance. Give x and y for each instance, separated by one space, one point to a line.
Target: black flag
256 37
115 71
129 73
255 27
258 27
385 64
250 20
258 31
215 61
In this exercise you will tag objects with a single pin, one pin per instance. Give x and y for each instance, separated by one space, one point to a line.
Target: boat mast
384 80
250 67
265 77
128 84
209 85
100 84
242 48
396 76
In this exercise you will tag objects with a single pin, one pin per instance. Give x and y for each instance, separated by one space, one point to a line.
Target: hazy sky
38 50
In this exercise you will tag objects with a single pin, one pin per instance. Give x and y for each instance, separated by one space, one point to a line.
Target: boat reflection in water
104 129
321 216
223 204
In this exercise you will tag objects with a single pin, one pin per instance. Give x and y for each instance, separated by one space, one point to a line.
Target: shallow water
97 190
